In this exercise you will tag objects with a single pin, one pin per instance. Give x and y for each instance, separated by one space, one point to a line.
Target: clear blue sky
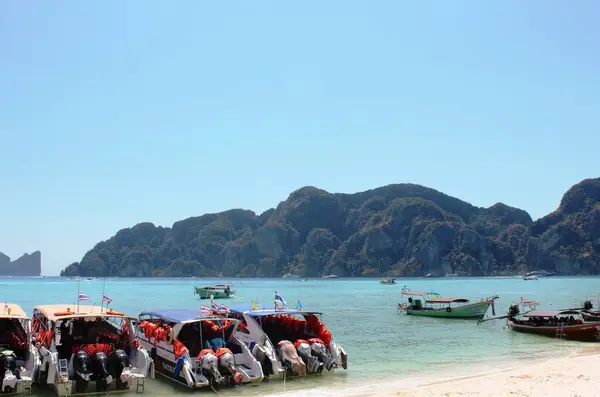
114 112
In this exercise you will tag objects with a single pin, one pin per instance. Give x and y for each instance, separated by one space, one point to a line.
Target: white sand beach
574 376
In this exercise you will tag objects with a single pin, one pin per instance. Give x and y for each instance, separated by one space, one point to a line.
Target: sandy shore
575 376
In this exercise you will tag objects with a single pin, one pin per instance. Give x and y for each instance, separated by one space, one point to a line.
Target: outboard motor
209 363
8 371
227 364
100 371
81 366
118 364
319 350
313 365
290 359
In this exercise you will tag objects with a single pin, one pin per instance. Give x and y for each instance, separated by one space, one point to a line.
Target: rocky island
26 265
394 230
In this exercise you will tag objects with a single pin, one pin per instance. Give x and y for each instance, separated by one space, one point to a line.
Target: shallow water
361 313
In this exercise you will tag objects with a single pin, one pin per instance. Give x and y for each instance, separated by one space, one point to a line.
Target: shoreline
572 375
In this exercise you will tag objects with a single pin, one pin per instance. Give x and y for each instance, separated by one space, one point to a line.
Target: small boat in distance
539 273
290 275
18 356
531 277
387 281
330 276
219 291
431 304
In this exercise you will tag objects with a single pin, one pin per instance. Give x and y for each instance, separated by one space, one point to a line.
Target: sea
387 350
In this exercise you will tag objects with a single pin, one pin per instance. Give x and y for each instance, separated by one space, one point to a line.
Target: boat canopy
65 312
178 315
549 313
15 312
527 303
247 309
417 293
447 300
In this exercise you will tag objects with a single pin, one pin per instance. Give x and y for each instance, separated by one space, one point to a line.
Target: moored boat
387 281
431 304
196 349
219 291
529 278
288 342
19 358
562 324
85 345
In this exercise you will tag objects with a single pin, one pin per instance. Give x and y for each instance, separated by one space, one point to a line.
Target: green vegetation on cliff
395 230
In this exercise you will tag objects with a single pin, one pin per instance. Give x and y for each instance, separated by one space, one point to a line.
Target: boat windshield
13 336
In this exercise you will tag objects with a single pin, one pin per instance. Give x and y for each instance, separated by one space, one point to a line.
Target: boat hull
206 294
586 332
470 311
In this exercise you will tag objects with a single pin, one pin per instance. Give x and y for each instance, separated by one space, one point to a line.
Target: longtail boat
432 304
560 324
587 313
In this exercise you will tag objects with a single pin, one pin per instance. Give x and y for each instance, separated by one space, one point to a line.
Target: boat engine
118 364
319 350
227 364
513 311
209 363
8 371
100 371
313 365
290 359
81 366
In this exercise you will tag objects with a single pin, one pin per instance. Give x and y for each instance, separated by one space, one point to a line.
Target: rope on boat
216 392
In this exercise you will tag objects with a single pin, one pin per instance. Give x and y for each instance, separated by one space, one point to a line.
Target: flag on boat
280 299
82 297
106 299
254 306
204 310
214 307
277 307
223 309
299 305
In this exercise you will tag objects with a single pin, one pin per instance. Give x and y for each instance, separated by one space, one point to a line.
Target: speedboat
288 342
219 291
82 345
529 277
197 350
18 356
387 281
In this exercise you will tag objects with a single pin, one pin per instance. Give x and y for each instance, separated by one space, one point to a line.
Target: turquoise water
361 313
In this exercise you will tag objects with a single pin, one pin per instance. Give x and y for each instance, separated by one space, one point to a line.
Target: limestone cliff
394 230
26 265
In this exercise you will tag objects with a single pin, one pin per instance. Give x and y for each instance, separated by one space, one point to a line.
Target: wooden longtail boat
431 304
560 324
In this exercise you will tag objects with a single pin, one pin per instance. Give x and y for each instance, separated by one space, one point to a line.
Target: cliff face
393 230
26 265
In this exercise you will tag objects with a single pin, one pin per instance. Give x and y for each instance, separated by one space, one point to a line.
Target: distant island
26 265
394 230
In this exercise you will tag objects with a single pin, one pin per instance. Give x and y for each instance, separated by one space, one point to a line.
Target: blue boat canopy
263 311
176 315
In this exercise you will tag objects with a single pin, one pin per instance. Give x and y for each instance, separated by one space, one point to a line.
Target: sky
114 113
